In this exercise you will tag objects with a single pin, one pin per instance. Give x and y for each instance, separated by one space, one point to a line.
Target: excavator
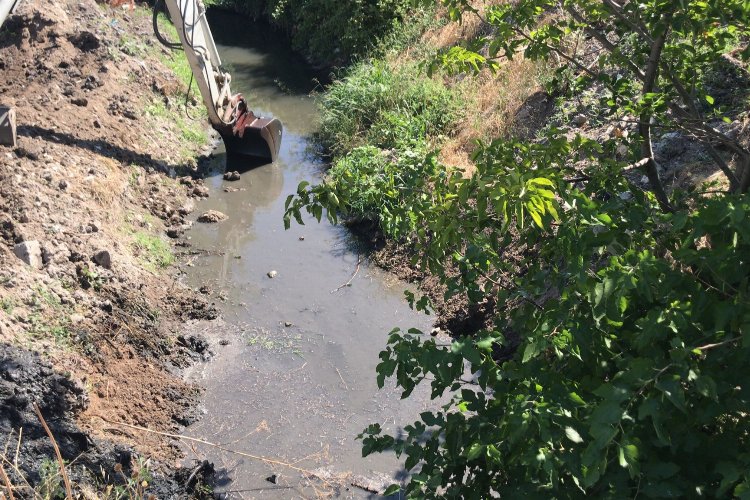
244 133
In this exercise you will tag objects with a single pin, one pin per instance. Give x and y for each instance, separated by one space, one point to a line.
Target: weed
90 278
375 97
50 486
56 329
7 304
132 46
192 132
47 297
153 250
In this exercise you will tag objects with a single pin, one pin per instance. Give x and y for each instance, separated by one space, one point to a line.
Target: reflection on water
297 378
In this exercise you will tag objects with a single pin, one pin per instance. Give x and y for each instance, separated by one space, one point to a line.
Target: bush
379 184
380 105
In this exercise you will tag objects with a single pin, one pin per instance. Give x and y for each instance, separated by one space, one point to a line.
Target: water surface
296 381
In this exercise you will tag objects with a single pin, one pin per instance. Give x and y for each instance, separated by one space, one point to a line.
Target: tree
632 307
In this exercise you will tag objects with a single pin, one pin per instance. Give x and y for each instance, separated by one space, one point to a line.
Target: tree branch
644 127
617 11
602 38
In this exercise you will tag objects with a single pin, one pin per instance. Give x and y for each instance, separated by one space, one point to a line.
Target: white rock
30 252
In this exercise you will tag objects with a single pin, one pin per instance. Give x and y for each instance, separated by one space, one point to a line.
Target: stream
293 377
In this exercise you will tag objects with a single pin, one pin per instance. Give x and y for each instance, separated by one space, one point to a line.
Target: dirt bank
90 200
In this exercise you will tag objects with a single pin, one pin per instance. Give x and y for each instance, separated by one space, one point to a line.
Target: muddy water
295 381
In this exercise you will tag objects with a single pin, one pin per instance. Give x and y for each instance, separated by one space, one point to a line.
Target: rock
80 101
30 152
55 253
186 208
272 274
579 120
212 216
85 41
622 150
287 324
435 331
200 191
30 252
76 318
670 145
626 195
173 232
63 185
205 289
91 83
301 238
103 259
232 176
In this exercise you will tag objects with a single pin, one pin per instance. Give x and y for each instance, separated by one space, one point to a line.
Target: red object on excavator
246 134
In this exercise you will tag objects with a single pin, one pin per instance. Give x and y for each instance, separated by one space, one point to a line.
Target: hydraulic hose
159 6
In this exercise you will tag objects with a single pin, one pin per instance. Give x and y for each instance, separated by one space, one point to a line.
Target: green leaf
392 490
475 451
573 435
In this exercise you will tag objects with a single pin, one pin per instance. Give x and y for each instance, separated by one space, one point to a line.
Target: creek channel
293 377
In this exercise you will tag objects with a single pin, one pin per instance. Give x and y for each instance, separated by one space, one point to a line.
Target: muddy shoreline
91 203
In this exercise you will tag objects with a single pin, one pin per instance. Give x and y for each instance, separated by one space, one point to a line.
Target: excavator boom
243 132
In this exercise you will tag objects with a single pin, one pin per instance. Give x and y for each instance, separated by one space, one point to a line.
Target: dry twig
63 472
272 461
348 283
6 480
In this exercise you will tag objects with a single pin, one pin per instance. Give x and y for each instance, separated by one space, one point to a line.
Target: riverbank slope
100 183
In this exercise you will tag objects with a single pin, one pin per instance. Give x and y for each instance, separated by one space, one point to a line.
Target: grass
7 304
154 252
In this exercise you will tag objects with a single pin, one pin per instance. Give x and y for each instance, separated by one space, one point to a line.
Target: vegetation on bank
329 32
616 361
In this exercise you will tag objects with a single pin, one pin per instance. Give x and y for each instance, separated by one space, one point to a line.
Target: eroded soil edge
92 202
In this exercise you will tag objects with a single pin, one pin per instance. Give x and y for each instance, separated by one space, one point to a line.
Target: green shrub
378 104
378 184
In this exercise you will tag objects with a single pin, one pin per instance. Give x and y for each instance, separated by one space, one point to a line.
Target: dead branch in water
267 460
348 283
63 472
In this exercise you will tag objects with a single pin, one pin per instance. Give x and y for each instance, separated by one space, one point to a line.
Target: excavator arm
243 132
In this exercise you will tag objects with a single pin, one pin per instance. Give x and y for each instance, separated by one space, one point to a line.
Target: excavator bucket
249 135
259 139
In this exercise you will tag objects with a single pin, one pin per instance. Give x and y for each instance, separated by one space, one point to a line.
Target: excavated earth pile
90 201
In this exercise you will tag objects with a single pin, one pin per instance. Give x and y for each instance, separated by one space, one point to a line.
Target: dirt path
102 174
